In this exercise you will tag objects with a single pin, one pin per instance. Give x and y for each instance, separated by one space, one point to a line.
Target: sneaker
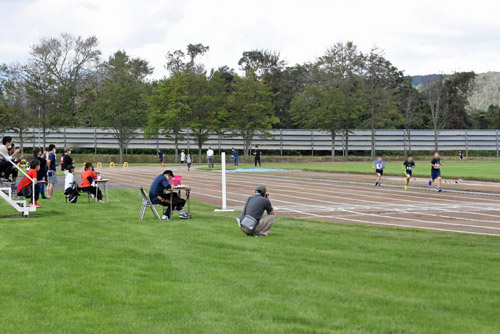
184 215
165 217
379 184
376 184
439 189
406 187
430 182
37 205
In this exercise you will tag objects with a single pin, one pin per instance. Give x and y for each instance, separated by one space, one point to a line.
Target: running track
307 197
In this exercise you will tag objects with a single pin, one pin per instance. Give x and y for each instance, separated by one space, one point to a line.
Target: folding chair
146 203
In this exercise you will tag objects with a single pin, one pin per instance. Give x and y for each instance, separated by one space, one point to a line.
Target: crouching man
252 222
158 196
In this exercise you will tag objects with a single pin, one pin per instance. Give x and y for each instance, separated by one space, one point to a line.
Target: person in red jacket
27 182
88 177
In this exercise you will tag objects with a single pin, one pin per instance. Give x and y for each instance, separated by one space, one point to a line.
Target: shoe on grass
165 217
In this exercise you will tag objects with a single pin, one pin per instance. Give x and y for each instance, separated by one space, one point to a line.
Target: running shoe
184 215
379 184
406 187
376 184
165 217
439 189
35 205
430 182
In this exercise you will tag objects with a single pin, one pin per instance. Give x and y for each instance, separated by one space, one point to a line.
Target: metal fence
279 140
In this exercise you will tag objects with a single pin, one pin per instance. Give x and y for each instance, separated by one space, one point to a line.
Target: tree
380 82
65 59
319 107
168 109
251 108
409 104
16 113
433 92
459 88
121 96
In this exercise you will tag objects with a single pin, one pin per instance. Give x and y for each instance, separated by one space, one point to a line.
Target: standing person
236 157
210 157
66 159
408 166
189 161
88 178
257 154
42 172
379 166
160 158
52 171
183 157
460 155
27 183
158 196
436 170
251 221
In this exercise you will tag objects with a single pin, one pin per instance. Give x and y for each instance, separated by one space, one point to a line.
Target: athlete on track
436 170
379 166
408 166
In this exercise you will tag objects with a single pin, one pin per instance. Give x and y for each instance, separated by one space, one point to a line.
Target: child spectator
24 187
189 161
88 178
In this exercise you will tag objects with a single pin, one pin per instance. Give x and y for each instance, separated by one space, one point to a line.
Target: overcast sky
419 37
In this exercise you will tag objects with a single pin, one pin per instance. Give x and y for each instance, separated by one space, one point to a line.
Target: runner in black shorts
379 166
436 170
408 166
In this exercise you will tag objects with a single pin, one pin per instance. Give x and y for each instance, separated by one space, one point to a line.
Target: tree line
66 82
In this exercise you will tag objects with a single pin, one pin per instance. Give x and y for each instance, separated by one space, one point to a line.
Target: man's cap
261 188
68 167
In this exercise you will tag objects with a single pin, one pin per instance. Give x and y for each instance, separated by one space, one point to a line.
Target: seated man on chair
157 195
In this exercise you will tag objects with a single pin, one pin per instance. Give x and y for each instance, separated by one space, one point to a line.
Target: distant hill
486 91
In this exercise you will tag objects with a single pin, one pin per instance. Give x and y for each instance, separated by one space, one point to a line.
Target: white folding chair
146 203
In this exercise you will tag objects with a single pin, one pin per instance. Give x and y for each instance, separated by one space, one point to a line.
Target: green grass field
473 169
95 268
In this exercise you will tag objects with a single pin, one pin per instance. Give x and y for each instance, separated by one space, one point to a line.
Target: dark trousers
6 169
257 160
236 160
37 192
93 190
178 202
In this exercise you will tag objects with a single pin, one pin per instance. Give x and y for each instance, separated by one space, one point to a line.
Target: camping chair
146 203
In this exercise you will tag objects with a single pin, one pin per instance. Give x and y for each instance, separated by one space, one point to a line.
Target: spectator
24 188
42 172
252 221
52 171
66 159
160 158
88 178
236 157
5 165
183 157
69 179
257 154
210 157
12 156
157 195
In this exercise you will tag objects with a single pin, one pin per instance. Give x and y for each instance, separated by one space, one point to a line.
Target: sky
419 37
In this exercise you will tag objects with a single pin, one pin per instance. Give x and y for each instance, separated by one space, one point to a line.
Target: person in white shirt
183 157
69 180
210 157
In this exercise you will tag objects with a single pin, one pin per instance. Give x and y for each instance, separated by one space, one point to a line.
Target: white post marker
223 174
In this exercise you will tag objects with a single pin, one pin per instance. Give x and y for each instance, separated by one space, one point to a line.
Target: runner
379 166
408 166
189 160
436 170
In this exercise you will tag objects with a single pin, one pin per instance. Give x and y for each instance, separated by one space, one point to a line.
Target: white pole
224 201
224 197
